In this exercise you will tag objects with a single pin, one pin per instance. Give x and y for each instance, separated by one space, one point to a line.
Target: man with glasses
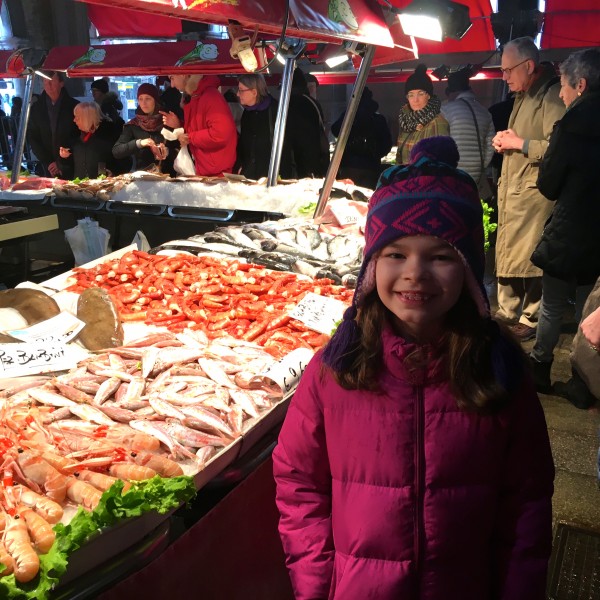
522 209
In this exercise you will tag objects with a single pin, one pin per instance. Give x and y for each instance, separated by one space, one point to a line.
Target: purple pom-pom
440 148
343 343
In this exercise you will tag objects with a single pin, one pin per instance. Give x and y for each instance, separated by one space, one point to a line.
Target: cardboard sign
320 313
60 329
286 373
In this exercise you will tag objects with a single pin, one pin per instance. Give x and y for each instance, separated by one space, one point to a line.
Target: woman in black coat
569 250
256 129
92 149
369 141
142 138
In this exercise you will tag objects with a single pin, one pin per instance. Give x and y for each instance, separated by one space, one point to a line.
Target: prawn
164 466
100 481
45 507
83 493
39 529
44 474
18 544
6 562
131 472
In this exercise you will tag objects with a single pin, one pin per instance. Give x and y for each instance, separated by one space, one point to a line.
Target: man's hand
590 327
54 170
507 140
184 139
170 119
64 153
160 151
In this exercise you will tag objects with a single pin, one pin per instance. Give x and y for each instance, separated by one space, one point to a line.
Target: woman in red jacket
414 460
209 126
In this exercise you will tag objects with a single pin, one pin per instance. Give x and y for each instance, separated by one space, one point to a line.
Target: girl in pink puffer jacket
414 461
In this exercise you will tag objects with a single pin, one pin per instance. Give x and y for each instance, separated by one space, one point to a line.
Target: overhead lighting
242 46
42 74
280 58
333 55
335 61
434 19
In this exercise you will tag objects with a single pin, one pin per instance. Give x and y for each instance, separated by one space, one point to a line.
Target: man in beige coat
522 209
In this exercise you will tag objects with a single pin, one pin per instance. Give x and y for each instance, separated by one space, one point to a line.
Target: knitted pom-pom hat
429 196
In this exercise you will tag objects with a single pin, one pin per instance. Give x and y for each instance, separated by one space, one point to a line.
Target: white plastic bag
88 241
184 165
141 241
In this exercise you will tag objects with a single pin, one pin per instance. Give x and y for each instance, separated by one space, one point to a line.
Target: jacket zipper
419 527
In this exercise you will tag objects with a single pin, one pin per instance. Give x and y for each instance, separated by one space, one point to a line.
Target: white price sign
17 359
286 373
60 329
320 313
345 213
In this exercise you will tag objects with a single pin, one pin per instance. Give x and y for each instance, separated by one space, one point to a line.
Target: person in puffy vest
414 459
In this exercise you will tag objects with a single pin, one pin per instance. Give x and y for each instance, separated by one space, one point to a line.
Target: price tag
320 313
60 329
286 373
345 213
17 360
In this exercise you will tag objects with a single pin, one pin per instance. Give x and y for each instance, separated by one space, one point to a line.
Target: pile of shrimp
156 406
213 295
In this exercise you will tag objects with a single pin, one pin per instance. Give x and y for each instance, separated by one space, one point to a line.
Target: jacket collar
206 82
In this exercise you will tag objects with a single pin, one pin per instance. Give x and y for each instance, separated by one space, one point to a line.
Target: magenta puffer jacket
400 495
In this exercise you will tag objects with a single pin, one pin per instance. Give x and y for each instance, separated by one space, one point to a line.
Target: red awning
152 58
11 64
322 20
571 24
120 22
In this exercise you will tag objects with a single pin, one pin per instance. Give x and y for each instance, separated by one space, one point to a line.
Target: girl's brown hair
468 344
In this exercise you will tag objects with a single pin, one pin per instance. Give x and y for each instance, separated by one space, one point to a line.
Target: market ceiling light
335 61
42 74
435 19
242 46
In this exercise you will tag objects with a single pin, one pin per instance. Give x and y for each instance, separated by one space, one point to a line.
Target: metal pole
20 145
282 111
359 85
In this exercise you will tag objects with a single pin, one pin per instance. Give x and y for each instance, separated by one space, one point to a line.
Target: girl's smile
419 279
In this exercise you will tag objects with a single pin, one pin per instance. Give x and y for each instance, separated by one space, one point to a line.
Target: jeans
555 299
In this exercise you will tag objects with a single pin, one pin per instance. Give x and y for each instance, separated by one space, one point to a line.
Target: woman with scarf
420 117
91 150
142 137
256 128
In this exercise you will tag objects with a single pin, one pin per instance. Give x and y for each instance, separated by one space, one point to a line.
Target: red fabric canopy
120 22
11 63
153 58
322 20
571 24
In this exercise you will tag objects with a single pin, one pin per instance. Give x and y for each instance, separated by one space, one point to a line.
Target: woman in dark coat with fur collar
568 252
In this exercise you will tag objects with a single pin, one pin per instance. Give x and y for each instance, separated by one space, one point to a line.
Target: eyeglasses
242 90
413 95
509 70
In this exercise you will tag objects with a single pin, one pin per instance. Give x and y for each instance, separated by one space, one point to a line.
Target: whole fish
106 390
191 437
163 408
44 396
160 431
90 414
244 401
205 418
215 373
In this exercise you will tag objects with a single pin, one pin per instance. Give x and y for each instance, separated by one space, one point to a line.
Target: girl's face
147 103
419 279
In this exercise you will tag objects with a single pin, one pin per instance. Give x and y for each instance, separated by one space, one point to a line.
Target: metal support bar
359 86
282 112
20 145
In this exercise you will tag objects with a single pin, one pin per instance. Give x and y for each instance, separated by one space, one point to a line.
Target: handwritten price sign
320 313
286 373
17 360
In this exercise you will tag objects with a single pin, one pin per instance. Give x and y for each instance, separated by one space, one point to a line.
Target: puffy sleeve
303 479
554 167
523 532
220 130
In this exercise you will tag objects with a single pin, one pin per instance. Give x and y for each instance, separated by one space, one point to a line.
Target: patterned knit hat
429 196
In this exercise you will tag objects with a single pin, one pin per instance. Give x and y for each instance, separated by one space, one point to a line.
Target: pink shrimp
83 493
43 474
40 531
18 544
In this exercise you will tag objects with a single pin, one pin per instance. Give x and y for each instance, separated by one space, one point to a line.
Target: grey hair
583 64
255 81
525 49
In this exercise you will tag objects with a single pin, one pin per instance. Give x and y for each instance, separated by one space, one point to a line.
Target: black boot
541 375
576 392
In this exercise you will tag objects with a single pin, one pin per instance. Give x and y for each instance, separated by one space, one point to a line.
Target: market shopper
414 459
91 150
368 142
421 116
569 251
51 126
142 138
109 102
522 209
257 127
209 127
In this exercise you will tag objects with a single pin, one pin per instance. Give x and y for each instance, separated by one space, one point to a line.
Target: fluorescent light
421 26
41 74
335 61
280 58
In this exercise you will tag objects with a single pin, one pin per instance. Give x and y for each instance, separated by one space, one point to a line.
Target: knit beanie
419 80
149 90
429 196
101 85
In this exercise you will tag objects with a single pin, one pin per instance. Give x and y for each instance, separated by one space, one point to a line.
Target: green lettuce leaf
159 494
